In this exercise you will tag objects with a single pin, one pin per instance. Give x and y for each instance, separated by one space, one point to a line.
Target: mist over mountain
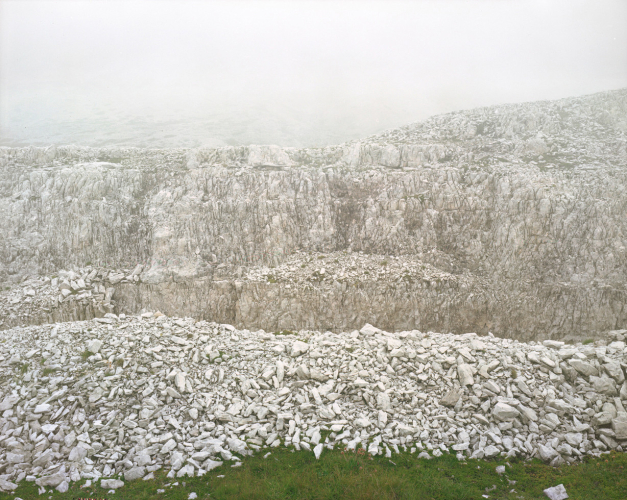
302 74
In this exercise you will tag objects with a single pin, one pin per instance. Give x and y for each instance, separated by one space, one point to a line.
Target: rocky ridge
123 396
520 209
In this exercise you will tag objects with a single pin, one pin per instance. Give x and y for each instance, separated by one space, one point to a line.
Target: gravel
130 395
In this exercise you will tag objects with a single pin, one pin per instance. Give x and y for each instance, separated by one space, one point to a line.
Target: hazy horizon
188 73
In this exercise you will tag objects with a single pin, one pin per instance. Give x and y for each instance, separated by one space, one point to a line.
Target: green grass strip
350 475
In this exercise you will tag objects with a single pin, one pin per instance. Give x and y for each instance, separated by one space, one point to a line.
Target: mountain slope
525 202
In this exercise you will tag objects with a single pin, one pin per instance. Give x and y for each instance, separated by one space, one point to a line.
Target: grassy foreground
350 475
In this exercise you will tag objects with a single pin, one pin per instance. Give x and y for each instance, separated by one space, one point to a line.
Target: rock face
507 219
186 396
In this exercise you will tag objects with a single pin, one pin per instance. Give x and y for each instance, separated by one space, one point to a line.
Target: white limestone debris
147 394
507 219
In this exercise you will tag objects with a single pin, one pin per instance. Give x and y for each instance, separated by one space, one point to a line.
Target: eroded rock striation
516 211
120 397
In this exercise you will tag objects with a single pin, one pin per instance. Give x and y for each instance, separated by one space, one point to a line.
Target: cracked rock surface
507 219
128 395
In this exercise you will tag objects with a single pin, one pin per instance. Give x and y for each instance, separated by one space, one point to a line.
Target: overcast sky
288 72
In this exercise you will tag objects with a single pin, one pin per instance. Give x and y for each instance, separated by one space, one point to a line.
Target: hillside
507 219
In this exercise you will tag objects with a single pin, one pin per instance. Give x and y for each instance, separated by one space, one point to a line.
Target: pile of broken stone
117 398
22 303
303 268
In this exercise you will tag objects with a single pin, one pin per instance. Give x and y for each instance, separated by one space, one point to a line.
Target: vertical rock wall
530 200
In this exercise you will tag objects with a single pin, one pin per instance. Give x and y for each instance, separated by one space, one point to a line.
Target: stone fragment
368 330
14 458
94 346
394 344
135 473
586 369
527 414
383 418
619 425
53 480
614 370
299 348
318 375
602 418
8 403
179 381
383 401
451 397
574 438
490 451
111 484
77 454
464 372
556 492
546 452
362 422
505 412
603 385
7 485
210 464
554 344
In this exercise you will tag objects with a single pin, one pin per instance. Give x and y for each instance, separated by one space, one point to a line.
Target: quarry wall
528 203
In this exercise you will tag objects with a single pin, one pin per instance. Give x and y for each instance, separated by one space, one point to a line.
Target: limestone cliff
521 209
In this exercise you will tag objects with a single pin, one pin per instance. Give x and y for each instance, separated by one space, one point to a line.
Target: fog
185 73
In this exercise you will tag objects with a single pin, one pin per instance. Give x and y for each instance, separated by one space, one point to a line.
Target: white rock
209 465
362 422
7 485
504 412
383 401
555 344
111 484
94 346
368 330
42 408
546 452
394 344
179 381
464 372
135 473
556 492
299 348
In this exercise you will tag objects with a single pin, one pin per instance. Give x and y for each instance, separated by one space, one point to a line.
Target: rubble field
180 309
129 395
